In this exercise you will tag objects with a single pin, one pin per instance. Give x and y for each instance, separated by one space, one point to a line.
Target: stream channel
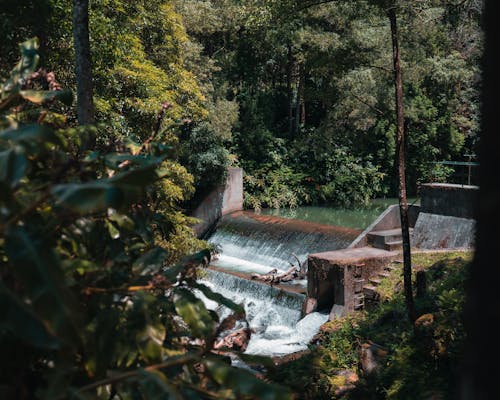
258 242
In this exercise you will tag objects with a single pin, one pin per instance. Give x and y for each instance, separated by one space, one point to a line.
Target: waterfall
273 314
258 243
255 243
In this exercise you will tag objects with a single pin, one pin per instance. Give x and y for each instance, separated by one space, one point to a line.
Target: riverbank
377 354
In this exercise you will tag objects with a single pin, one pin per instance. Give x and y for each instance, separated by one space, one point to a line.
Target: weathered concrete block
336 277
433 231
449 199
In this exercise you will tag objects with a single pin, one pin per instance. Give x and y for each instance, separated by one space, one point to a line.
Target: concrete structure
337 280
341 280
389 220
449 199
222 200
446 219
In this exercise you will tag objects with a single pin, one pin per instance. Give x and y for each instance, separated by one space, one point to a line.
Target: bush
92 303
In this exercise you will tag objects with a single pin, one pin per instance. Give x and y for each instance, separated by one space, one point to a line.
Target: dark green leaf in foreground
156 386
209 293
194 313
38 267
29 134
13 165
244 383
22 322
41 96
90 197
151 261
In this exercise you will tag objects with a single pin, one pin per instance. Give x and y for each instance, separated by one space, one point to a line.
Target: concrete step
380 239
390 268
375 281
384 274
394 245
370 292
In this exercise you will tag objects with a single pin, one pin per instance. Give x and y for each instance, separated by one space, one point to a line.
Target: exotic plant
94 299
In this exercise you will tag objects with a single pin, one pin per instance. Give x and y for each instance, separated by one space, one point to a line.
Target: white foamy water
274 315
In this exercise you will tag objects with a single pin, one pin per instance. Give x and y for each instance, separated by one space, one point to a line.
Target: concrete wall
334 277
434 231
446 220
449 199
389 219
221 201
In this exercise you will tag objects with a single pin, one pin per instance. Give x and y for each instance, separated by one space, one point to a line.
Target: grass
419 363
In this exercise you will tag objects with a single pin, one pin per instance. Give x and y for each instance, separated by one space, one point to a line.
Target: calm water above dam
357 218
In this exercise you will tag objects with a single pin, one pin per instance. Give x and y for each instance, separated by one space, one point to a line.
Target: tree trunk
298 99
289 79
303 99
400 161
83 64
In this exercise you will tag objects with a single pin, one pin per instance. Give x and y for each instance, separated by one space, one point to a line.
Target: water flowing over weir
255 243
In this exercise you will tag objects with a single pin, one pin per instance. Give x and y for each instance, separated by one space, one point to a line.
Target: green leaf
13 166
39 270
24 68
113 232
194 313
29 134
41 96
138 177
123 221
113 160
151 261
81 266
90 197
245 383
217 297
257 360
156 386
22 322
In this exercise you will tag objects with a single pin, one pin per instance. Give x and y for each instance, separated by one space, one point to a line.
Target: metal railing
464 171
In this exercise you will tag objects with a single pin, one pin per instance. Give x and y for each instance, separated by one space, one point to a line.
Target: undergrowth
420 363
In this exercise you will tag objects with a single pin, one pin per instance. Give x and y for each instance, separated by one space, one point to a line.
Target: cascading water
258 243
252 243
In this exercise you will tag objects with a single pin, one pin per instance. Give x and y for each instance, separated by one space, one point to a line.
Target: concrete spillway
254 243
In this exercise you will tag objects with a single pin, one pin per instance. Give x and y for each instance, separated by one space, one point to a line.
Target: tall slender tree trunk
302 97
83 65
400 161
289 79
298 99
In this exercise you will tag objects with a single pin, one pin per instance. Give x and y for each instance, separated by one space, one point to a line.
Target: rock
371 354
344 381
425 321
237 340
310 305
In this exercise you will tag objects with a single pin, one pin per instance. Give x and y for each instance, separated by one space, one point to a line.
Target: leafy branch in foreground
95 298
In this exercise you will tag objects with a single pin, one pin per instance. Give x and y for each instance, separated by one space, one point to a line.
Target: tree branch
133 374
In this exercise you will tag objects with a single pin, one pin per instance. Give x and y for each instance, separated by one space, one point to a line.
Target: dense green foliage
420 363
291 89
140 54
96 297
311 80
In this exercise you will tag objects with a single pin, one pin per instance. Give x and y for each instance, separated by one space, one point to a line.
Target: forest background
300 96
